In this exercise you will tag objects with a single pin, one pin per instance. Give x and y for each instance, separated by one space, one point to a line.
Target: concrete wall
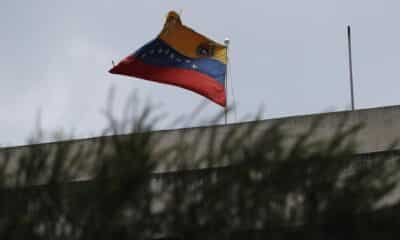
382 128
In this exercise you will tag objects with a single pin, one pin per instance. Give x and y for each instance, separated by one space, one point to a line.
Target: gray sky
289 56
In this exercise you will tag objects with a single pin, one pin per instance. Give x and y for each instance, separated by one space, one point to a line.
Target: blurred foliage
244 181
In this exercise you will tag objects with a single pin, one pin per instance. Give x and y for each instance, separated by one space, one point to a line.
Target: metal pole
350 67
226 41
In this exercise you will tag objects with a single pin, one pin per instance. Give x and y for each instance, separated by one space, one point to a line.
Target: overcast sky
289 56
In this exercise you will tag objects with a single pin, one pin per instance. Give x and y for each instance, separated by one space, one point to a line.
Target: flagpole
350 67
226 41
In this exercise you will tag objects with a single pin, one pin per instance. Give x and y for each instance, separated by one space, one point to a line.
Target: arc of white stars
172 56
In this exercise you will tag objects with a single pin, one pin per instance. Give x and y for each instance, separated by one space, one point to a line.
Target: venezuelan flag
182 57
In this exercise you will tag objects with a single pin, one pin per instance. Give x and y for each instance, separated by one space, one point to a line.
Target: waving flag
182 57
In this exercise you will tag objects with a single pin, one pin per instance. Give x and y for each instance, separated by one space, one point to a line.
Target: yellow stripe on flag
186 41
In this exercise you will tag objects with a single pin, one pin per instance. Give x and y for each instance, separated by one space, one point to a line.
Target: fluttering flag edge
200 83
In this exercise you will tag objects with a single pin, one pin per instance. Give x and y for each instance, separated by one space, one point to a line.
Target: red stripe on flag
188 79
